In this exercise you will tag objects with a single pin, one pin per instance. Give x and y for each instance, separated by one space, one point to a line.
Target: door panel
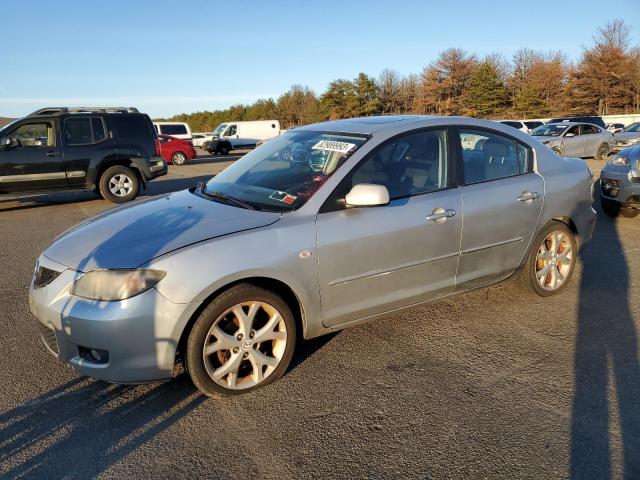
573 146
497 227
373 260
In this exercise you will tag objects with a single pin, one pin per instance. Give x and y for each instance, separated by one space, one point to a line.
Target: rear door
86 145
373 260
591 140
35 162
502 199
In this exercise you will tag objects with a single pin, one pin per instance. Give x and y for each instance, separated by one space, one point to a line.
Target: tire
119 184
227 366
557 150
559 265
223 150
179 158
603 152
611 208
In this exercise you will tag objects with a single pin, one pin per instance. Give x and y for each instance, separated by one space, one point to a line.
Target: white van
175 129
230 135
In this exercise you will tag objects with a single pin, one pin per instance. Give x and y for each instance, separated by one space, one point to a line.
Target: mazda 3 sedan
324 227
575 139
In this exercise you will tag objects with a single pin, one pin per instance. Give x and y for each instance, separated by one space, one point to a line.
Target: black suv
112 151
586 119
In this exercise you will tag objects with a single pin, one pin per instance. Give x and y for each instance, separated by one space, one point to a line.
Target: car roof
366 125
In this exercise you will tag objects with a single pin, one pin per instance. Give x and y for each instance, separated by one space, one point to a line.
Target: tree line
532 84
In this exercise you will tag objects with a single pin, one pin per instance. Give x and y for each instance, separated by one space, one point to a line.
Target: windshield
286 171
549 130
8 125
219 129
634 127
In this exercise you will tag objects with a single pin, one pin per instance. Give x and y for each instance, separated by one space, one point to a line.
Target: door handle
53 154
440 215
528 196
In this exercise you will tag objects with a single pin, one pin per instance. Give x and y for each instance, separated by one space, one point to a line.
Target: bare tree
389 91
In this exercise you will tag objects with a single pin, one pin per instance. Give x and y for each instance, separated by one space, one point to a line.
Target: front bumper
140 334
617 185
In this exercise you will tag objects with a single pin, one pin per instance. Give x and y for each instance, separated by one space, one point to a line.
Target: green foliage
486 94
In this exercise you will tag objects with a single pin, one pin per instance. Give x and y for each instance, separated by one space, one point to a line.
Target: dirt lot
491 384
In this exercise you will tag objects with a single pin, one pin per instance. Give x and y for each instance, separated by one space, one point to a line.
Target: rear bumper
151 167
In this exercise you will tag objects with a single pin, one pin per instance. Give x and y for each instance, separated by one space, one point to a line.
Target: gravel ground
490 384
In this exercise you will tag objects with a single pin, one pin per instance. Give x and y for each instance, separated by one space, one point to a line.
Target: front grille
43 276
49 337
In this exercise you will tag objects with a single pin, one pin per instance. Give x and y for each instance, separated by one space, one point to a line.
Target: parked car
620 184
199 139
575 139
112 151
532 124
586 119
175 150
629 137
615 127
179 130
516 124
232 135
324 227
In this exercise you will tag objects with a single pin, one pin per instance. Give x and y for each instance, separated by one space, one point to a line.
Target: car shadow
83 427
606 366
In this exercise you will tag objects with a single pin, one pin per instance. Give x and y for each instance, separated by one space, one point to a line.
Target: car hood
626 135
545 138
131 235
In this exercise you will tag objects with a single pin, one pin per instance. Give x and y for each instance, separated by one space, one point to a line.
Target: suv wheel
178 158
551 260
243 340
603 152
119 184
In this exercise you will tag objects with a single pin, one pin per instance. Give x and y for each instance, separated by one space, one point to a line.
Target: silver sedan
325 227
571 139
629 137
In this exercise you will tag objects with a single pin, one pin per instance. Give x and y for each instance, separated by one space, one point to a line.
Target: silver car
324 227
572 139
629 137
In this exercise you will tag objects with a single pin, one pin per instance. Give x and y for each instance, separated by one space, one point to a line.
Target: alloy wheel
554 260
179 158
245 345
120 185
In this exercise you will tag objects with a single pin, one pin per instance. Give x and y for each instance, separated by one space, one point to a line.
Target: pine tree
486 94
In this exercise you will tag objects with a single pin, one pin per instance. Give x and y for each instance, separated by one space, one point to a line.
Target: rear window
512 124
131 127
173 129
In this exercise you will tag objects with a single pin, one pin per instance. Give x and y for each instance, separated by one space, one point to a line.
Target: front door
573 145
373 260
502 198
34 162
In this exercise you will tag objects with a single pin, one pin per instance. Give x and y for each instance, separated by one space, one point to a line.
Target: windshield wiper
202 189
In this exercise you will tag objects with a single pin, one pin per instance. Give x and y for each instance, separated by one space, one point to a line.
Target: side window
575 130
232 130
409 165
34 135
173 129
97 126
77 131
490 156
589 130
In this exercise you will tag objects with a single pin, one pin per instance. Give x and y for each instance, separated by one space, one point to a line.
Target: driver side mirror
569 135
367 195
6 142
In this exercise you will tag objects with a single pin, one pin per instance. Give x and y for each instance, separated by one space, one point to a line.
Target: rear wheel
178 158
242 341
611 208
119 184
551 261
602 152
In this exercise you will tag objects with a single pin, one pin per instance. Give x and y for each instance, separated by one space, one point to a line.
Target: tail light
157 147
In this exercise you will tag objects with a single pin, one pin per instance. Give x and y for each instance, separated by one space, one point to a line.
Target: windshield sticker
283 197
333 146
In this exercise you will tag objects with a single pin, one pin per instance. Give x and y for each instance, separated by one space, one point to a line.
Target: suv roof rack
61 110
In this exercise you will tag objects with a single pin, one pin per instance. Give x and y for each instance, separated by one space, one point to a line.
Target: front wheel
119 184
603 152
243 340
551 261
223 150
611 208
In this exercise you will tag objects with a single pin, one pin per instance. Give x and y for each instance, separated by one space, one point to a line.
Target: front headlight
619 161
112 285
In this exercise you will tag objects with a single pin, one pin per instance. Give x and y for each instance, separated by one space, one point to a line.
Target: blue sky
169 57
